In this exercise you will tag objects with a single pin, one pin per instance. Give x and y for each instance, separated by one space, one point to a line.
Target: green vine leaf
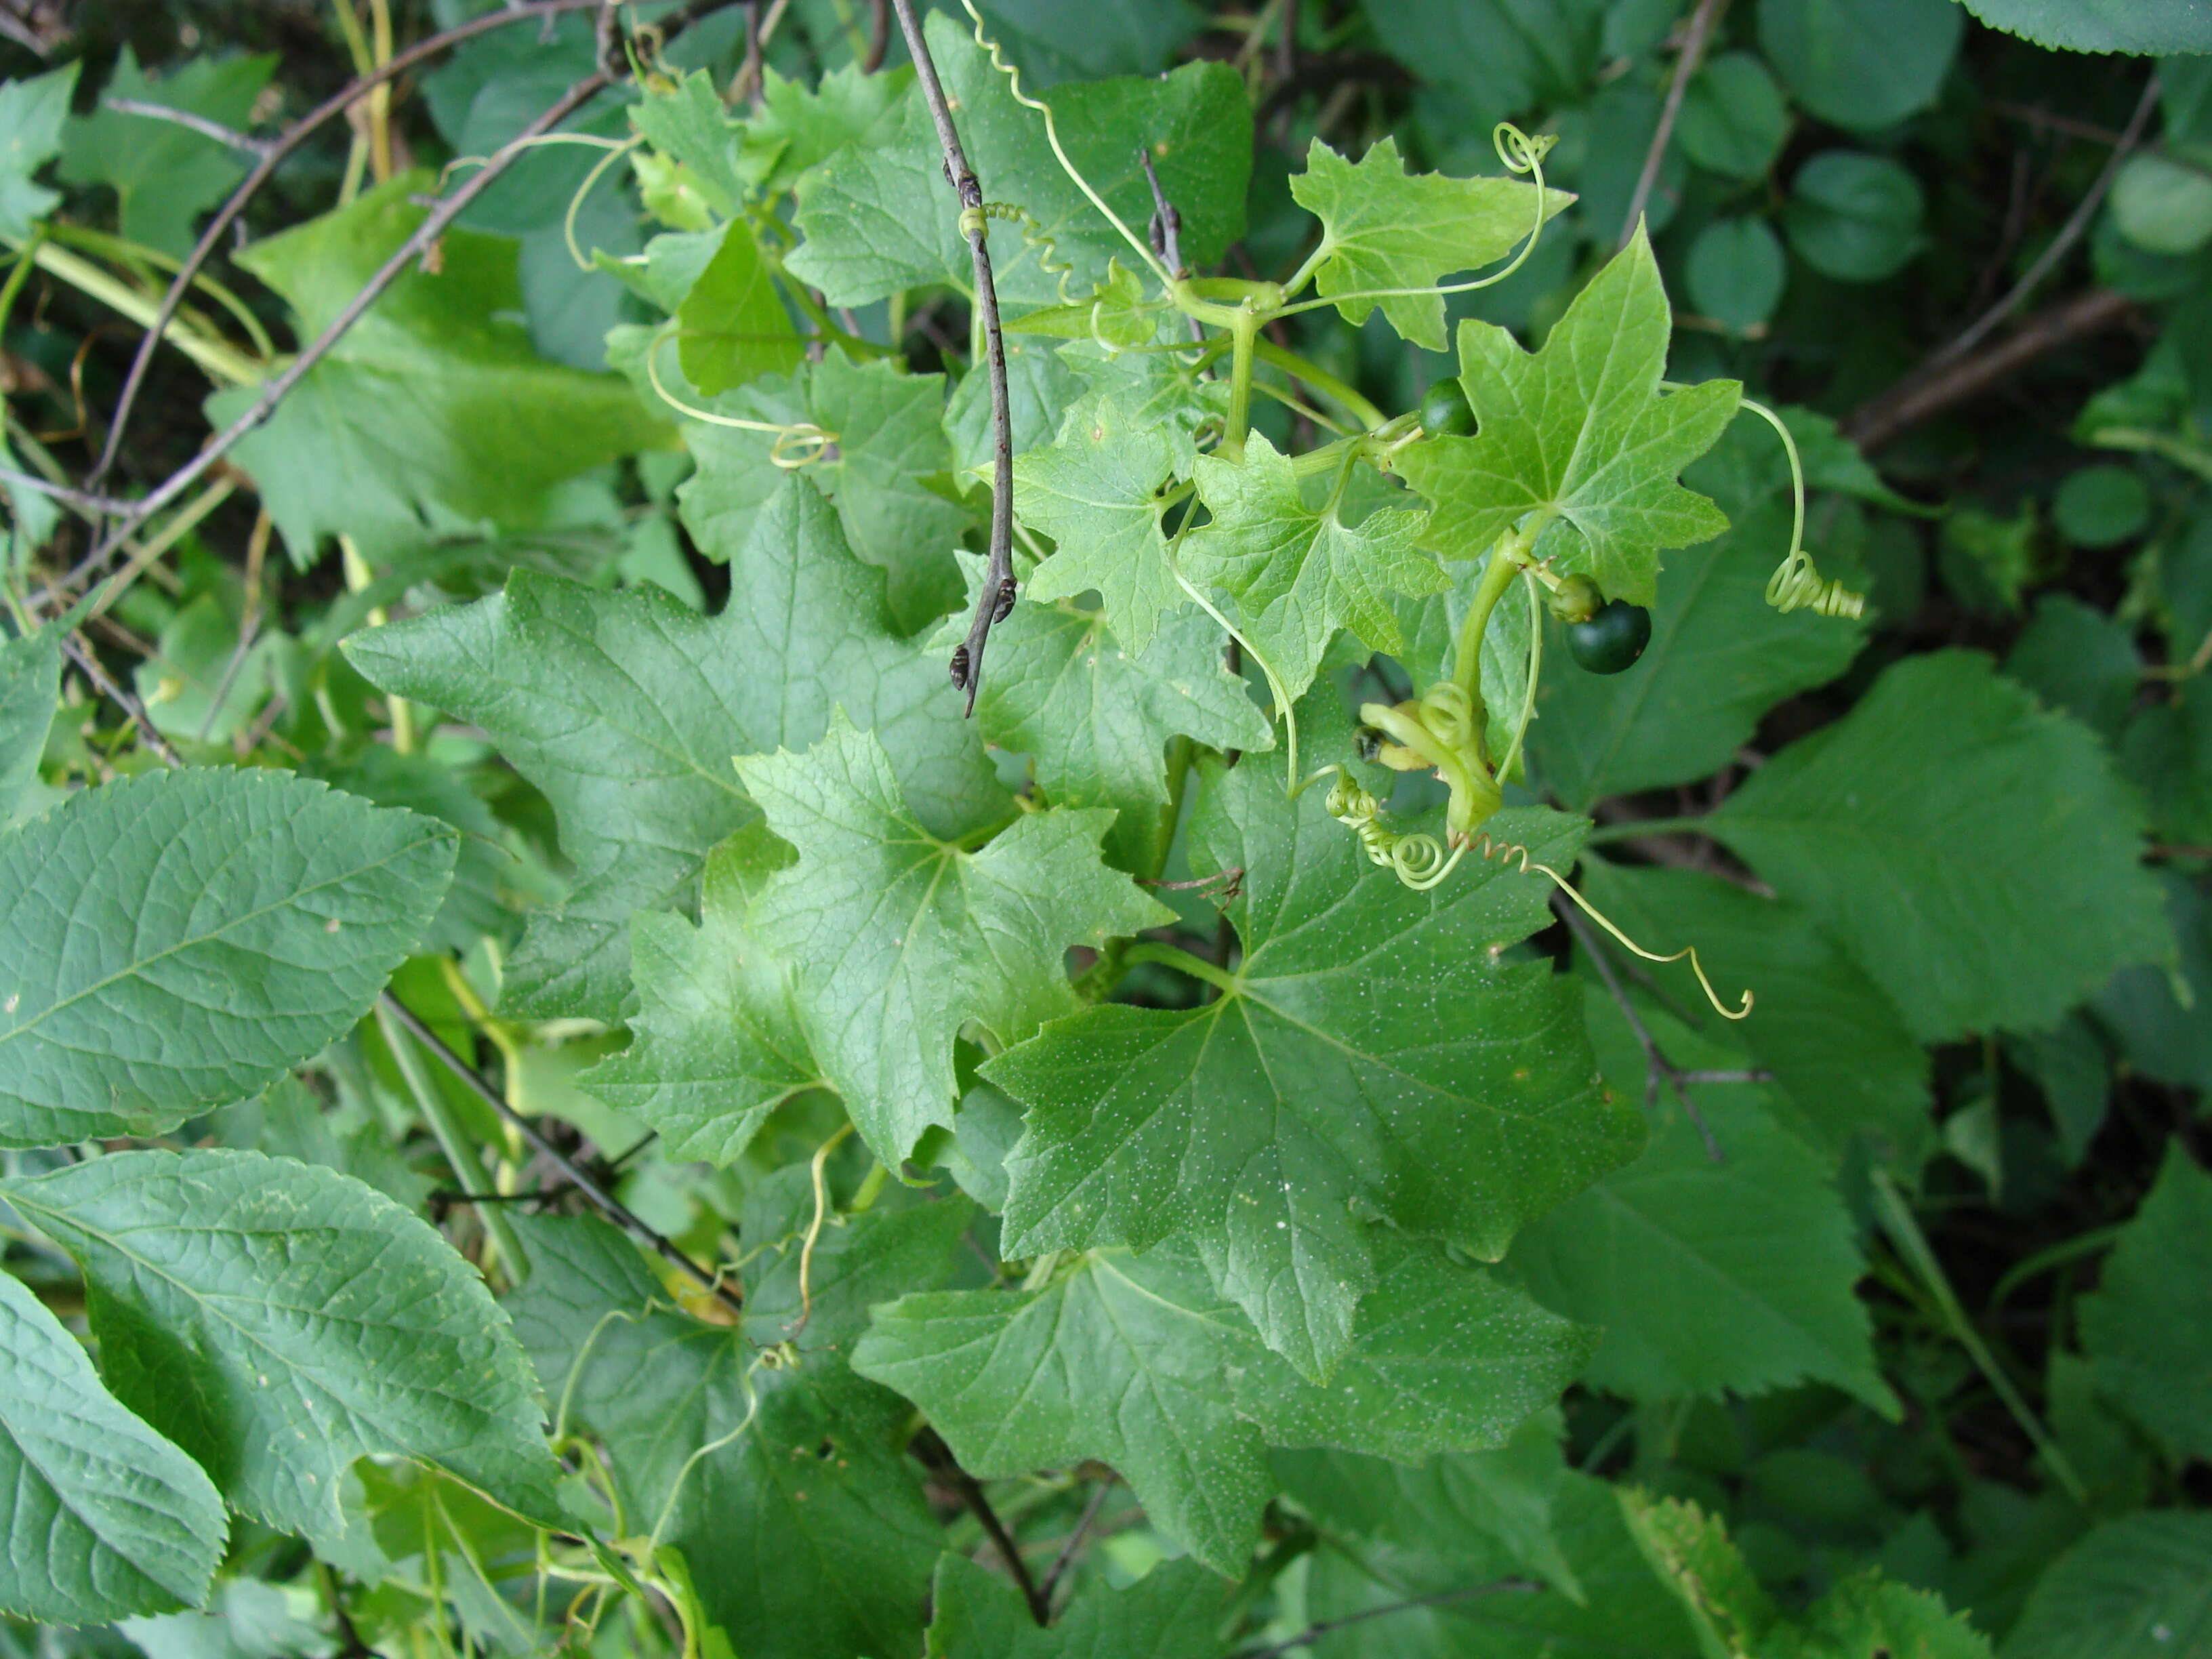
732 324
1172 1612
1136 1361
1383 227
277 1320
716 1044
798 126
1866 1614
177 941
896 938
1372 1056
1694 1557
165 174
1579 434
1299 573
105 1518
31 116
625 707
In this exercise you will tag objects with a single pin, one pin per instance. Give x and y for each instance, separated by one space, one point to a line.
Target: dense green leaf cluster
562 1091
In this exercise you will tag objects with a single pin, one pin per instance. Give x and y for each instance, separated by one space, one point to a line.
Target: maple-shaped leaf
897 938
1138 1362
1096 717
624 708
1372 1052
1298 574
1097 493
716 1044
1579 436
1383 227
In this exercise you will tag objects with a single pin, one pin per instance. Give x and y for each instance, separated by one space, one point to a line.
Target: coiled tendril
1418 860
1796 585
1034 236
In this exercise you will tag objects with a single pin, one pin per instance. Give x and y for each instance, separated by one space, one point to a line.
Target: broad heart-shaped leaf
716 1044
878 217
2147 1328
1373 1055
1844 1065
165 173
176 941
2148 27
30 679
886 474
1382 228
1173 1611
1135 1361
434 403
1975 854
1579 434
1719 659
1705 1277
31 116
1097 493
625 709
2138 1588
807 1533
1298 573
1096 718
897 938
102 1517
278 1320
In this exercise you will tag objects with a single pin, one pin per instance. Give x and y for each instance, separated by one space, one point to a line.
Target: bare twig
1656 1066
929 1446
1924 394
81 500
123 699
605 1201
1693 51
280 147
2069 233
1073 1547
433 227
879 35
230 138
1441 1598
996 601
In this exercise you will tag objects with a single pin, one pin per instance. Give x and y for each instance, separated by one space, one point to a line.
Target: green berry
1445 409
1613 638
1577 600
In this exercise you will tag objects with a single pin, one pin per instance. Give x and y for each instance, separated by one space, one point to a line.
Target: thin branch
135 710
84 501
1694 52
879 35
929 1446
1441 1598
996 601
1656 1066
433 227
2062 244
1073 1547
607 1204
279 148
229 138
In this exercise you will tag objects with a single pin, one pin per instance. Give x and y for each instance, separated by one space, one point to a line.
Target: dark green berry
1613 638
1445 409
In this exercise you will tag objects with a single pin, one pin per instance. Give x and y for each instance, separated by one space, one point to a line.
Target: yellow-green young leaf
1097 492
1692 1555
433 403
1372 1056
102 1517
1976 856
1173 1611
2148 1327
896 938
2139 1587
625 707
1295 574
804 1528
1706 1278
715 1045
1580 434
177 941
1136 1361
878 216
30 677
278 1320
1383 227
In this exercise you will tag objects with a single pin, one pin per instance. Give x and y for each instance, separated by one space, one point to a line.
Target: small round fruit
1612 640
1445 409
1577 600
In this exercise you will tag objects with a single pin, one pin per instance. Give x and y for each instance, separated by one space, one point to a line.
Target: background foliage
559 1096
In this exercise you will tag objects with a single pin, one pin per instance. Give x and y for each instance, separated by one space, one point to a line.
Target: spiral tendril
1418 860
974 222
798 444
1796 585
